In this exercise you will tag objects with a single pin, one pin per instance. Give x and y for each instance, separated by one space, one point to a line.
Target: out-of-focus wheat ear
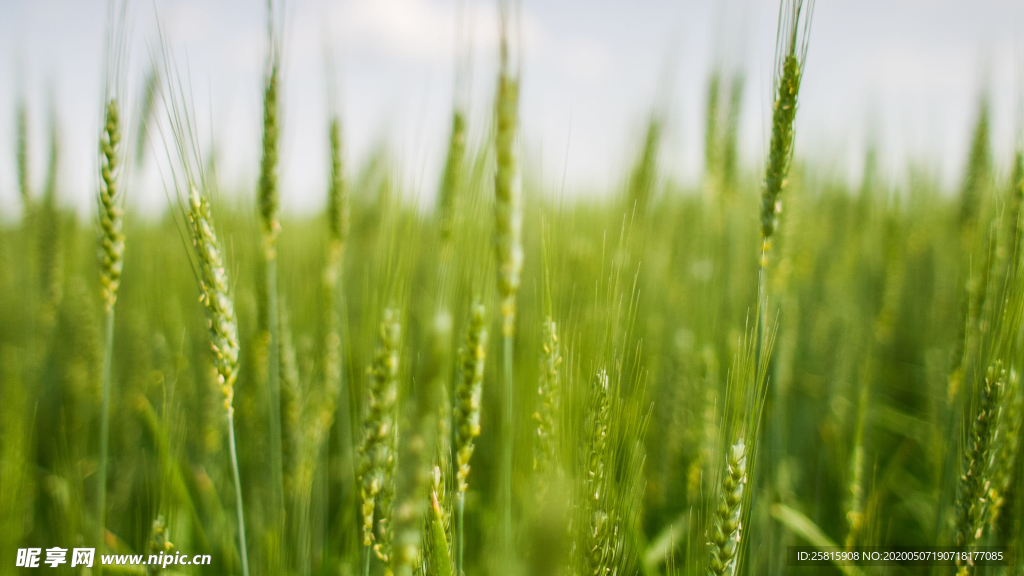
712 137
972 498
338 231
268 194
468 392
508 209
50 226
644 177
338 218
21 159
508 196
1007 436
978 172
548 391
147 110
1016 201
377 450
159 543
726 524
338 203
384 530
730 136
601 545
451 181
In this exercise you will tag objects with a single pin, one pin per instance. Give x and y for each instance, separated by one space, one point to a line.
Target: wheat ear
602 548
467 412
972 500
377 452
547 392
726 529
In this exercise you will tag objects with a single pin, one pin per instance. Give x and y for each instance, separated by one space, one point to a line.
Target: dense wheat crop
664 381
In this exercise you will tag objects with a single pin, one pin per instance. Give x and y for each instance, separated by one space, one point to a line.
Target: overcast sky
592 69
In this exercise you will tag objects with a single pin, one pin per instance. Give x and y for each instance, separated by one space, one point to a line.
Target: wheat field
668 380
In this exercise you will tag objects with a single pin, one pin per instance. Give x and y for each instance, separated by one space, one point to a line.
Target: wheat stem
239 508
101 481
460 499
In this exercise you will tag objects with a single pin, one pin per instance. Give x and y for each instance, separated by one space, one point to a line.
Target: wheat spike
468 392
110 211
377 453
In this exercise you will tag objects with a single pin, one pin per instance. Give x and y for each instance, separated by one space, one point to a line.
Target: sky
904 73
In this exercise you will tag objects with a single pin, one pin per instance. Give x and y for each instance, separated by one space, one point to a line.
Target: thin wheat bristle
377 452
468 392
111 213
